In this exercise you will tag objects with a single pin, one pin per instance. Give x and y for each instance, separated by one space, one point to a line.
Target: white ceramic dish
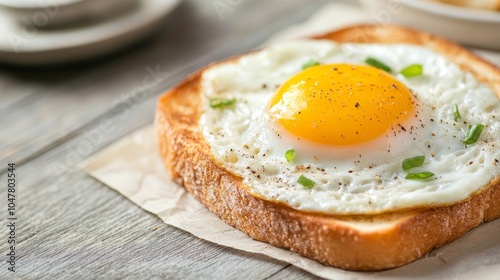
471 27
25 44
49 13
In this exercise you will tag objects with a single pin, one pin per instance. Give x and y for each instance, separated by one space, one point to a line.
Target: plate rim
456 12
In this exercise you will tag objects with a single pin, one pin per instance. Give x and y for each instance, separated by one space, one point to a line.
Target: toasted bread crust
332 240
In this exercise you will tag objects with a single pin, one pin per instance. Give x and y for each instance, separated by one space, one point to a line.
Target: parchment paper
132 167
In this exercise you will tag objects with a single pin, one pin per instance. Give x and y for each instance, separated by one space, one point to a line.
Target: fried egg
350 126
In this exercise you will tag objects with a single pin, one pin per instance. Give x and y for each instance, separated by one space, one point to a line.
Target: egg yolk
341 104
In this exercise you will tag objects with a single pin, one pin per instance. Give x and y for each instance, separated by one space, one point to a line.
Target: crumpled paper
133 167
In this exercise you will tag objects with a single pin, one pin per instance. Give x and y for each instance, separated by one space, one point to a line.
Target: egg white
369 180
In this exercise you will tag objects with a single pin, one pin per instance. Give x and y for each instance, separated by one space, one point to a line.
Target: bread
353 242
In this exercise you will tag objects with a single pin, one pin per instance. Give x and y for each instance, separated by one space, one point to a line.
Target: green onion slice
218 102
305 182
375 63
456 113
412 162
289 155
419 175
473 133
412 70
310 63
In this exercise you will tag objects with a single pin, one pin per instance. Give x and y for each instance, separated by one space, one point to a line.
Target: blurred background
78 75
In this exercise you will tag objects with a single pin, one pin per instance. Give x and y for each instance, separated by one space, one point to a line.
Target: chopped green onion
473 133
289 155
456 113
218 102
305 182
375 63
310 63
412 162
419 175
412 70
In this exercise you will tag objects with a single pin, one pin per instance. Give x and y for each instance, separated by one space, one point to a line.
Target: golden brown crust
335 241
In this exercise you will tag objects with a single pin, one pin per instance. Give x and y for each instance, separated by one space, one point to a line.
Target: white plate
25 44
53 13
472 27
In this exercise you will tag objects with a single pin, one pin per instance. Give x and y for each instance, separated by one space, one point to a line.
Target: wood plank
18 84
291 272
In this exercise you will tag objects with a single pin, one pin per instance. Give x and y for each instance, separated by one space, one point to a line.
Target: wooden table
70 226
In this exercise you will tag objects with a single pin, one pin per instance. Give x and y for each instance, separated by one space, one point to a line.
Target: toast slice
353 242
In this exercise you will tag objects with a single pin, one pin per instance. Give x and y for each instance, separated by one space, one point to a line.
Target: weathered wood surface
71 226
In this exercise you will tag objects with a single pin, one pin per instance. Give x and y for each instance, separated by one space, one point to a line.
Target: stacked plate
34 32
